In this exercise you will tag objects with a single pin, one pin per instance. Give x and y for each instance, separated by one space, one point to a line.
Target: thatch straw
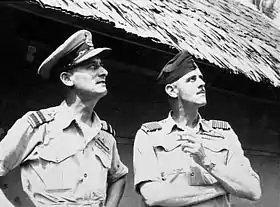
225 33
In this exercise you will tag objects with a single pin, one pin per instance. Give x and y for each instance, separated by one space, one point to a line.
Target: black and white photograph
140 103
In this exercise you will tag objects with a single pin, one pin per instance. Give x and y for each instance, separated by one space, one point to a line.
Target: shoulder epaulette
37 118
107 127
151 126
218 124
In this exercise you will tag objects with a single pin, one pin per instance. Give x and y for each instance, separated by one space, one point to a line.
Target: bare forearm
236 177
169 194
115 192
238 181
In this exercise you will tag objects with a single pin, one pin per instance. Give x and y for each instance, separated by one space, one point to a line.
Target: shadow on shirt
12 193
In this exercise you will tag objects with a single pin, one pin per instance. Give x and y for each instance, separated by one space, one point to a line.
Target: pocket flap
53 155
103 157
216 146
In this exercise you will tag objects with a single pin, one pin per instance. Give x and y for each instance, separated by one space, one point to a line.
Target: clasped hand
192 144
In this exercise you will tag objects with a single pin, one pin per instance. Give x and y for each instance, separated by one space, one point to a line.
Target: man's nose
201 82
103 71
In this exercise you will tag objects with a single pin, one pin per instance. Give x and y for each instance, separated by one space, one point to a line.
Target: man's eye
94 66
191 79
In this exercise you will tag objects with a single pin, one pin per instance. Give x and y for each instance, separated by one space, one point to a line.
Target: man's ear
171 90
66 78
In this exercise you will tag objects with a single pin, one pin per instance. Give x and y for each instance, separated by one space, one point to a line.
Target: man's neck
185 116
186 119
82 110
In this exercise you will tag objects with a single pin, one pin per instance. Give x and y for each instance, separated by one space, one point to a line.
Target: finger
193 148
192 134
192 144
190 138
185 135
187 139
189 148
189 144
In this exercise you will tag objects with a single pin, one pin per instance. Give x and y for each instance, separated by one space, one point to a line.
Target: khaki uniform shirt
60 164
158 155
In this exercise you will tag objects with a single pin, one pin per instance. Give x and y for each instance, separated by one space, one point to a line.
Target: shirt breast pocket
58 171
217 151
104 158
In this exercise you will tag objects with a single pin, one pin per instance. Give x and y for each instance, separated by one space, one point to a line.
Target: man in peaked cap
185 160
68 156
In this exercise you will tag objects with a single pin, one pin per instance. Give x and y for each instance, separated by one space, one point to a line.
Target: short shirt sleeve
236 157
118 169
144 160
17 144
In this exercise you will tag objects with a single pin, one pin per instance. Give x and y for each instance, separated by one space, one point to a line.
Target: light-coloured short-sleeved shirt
158 155
60 164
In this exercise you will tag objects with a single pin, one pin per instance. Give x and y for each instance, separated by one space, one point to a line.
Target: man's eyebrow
192 76
95 62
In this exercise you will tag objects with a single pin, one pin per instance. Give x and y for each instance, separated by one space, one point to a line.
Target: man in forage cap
68 156
185 160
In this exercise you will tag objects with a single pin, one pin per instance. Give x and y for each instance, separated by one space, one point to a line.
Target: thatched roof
225 33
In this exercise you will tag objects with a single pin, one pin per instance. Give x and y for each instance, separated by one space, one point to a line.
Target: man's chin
201 104
99 94
103 93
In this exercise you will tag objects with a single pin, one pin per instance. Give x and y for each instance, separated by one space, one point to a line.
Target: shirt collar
65 117
170 124
167 140
96 122
204 125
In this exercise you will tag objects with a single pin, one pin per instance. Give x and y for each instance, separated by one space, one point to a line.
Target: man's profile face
191 88
90 78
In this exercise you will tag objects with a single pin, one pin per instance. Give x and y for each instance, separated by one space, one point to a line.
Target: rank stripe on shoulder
40 114
104 125
110 127
218 124
32 120
152 126
102 145
107 127
36 119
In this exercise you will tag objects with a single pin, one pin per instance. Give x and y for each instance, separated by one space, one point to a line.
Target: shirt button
192 173
85 175
163 178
